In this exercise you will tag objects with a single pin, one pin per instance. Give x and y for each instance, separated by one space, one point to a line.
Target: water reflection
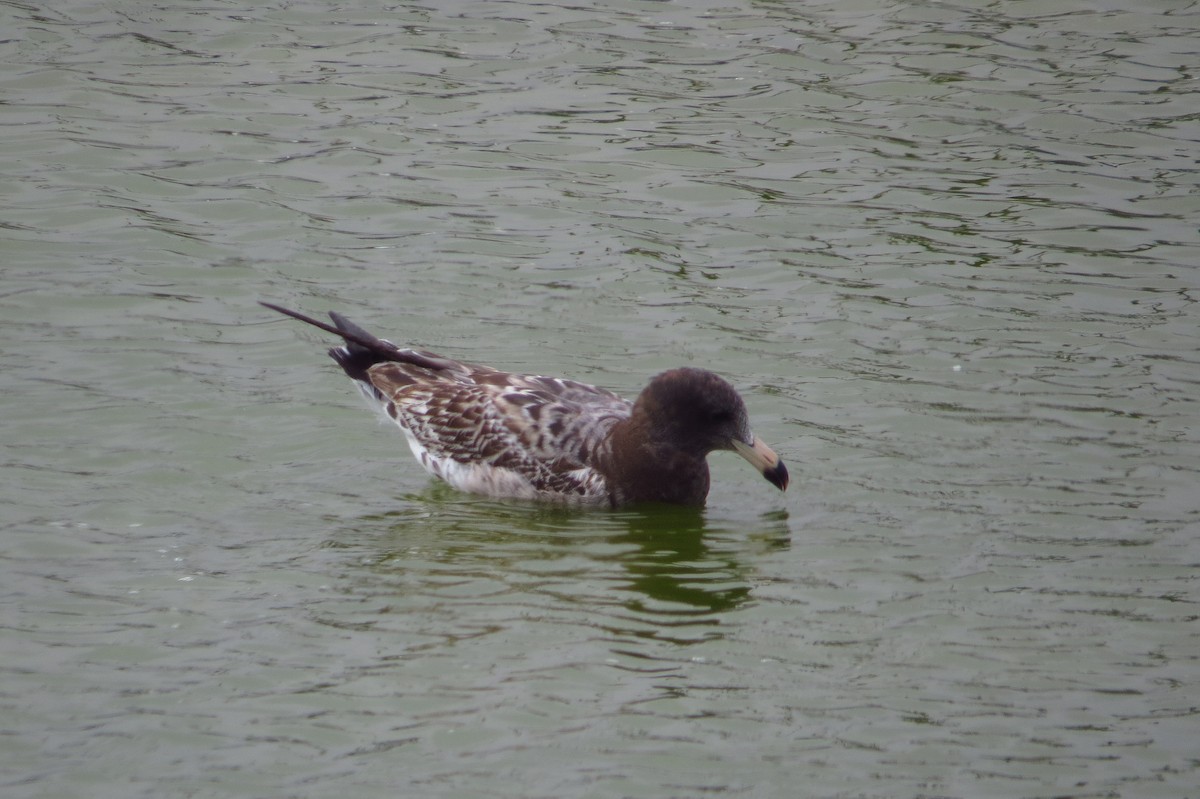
673 570
661 573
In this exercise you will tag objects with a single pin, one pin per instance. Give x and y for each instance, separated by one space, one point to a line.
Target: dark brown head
696 411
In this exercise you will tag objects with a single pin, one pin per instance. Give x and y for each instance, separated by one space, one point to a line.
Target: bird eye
720 417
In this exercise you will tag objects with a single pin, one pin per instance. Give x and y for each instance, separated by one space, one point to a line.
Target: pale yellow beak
764 459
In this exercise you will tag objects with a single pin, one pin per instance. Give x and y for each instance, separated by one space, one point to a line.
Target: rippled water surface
947 250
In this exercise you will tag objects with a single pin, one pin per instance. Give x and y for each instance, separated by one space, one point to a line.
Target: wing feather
474 424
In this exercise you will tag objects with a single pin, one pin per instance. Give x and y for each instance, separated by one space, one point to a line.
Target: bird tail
363 350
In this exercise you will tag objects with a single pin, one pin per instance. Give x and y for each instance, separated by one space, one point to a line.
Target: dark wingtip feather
352 333
355 335
363 350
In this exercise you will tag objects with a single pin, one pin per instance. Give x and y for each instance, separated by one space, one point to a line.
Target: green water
946 252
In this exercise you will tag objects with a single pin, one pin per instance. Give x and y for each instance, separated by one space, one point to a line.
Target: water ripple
946 250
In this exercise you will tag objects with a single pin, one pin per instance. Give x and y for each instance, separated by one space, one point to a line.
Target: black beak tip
777 475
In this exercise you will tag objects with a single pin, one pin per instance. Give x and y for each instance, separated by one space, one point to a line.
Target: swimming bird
506 435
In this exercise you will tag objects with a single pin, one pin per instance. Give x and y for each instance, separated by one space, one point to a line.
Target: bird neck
643 468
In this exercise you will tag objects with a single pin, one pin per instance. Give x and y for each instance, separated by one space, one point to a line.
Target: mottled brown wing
546 429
